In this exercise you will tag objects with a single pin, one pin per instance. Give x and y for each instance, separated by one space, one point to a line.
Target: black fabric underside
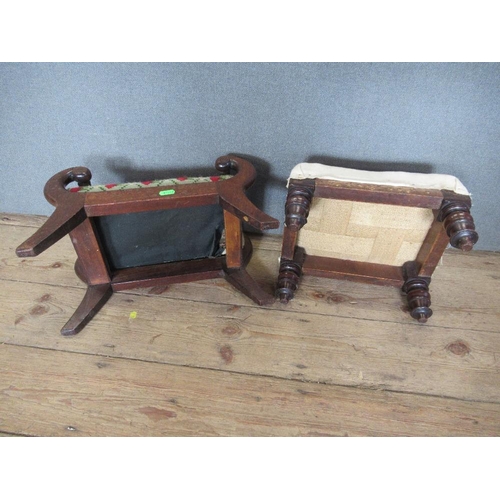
146 238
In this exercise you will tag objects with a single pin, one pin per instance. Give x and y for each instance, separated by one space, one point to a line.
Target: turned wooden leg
288 280
298 202
419 298
95 297
417 293
459 224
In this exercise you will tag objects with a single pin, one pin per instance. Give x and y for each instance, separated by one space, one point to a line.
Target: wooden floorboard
341 359
301 346
464 293
60 394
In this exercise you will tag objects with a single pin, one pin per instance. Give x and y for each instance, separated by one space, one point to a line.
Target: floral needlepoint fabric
146 184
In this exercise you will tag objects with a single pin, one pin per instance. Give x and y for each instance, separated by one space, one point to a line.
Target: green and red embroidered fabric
148 184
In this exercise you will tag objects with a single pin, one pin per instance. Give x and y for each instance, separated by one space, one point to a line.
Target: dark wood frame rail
452 224
75 213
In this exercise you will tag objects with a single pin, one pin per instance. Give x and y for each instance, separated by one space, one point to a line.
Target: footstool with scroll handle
153 233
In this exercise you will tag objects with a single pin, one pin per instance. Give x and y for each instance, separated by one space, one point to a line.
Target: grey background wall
133 121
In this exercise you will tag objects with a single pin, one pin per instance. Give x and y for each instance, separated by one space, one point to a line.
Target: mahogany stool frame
75 213
453 224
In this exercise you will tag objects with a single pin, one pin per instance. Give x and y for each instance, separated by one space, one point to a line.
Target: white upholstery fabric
403 179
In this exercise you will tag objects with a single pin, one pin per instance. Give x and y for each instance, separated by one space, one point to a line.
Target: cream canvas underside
368 232
406 179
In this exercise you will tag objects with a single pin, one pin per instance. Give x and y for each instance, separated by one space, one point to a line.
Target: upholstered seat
388 178
147 184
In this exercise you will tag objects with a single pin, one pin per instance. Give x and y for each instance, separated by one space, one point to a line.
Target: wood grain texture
22 219
262 341
62 394
234 241
342 358
476 272
373 193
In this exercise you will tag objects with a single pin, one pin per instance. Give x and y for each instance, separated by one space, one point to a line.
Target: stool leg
288 280
298 203
459 224
95 297
419 298
243 282
416 288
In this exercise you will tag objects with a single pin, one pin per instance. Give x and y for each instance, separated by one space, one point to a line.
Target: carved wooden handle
232 192
69 212
55 189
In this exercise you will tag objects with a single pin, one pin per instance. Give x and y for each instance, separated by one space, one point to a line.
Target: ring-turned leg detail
288 280
298 203
419 298
459 225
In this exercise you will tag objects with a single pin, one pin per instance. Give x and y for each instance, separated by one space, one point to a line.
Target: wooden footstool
385 228
153 233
